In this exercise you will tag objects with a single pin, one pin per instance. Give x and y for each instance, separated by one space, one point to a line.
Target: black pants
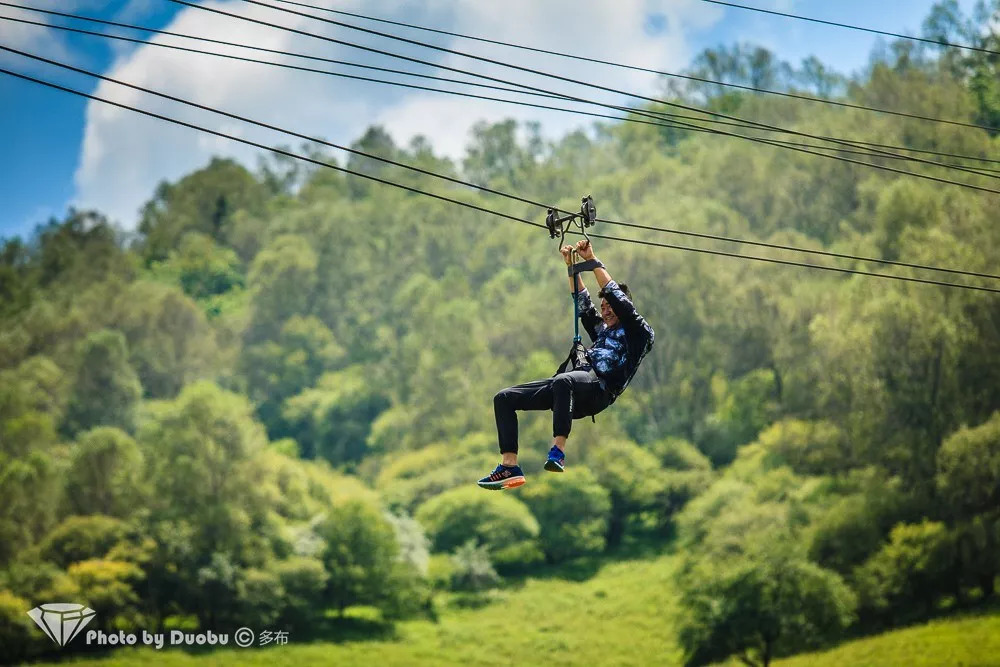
569 395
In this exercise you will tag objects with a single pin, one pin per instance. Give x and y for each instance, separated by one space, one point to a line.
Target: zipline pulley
558 224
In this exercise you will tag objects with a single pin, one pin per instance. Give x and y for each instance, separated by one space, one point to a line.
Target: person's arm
616 298
586 252
567 253
589 317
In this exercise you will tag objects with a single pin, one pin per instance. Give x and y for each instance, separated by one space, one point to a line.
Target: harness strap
576 298
589 265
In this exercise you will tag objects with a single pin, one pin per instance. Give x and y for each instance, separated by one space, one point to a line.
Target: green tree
411 478
472 570
572 514
503 524
909 574
283 278
360 555
687 474
16 284
302 582
205 269
375 141
759 608
333 419
17 631
107 586
633 477
32 401
106 389
79 538
977 550
810 448
742 410
496 156
280 368
82 249
200 451
171 344
968 465
105 475
24 520
205 201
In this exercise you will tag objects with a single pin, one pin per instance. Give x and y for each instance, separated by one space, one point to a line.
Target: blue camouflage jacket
617 351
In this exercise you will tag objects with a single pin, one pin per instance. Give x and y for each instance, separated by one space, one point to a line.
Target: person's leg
567 389
535 395
575 393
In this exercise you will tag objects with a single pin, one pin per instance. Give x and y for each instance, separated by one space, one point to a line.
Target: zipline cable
779 246
493 61
981 171
935 42
854 143
658 123
268 126
636 68
759 126
469 184
221 42
271 149
480 208
788 262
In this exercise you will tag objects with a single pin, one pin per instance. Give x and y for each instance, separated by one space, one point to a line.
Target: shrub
18 635
572 512
503 524
472 570
905 578
361 557
773 603
968 466
80 538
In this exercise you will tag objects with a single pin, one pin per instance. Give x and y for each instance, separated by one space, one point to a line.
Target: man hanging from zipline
588 382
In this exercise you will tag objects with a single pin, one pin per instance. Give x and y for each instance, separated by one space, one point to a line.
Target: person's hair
622 286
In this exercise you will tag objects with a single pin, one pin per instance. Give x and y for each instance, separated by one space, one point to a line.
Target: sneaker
556 461
503 478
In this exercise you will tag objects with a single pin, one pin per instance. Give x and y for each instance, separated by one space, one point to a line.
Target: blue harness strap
576 307
575 270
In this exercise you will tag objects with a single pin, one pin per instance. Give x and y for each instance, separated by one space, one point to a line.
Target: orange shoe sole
513 483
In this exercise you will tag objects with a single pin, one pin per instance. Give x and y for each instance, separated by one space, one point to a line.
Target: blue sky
58 150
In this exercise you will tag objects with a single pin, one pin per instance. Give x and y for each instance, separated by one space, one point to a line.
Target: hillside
268 406
621 616
969 641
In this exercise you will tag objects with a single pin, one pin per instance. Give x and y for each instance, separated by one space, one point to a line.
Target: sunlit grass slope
620 616
623 615
972 641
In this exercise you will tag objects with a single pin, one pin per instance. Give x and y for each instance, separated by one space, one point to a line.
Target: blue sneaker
556 461
503 478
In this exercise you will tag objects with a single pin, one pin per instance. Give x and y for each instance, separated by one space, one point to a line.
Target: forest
269 403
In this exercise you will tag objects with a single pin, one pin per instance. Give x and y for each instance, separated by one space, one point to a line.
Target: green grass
960 642
620 616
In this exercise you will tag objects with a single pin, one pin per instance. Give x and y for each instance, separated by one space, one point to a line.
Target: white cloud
30 38
124 155
613 32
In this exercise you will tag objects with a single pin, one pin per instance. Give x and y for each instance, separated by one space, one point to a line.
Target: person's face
608 315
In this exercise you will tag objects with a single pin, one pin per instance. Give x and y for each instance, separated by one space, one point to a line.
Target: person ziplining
589 380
